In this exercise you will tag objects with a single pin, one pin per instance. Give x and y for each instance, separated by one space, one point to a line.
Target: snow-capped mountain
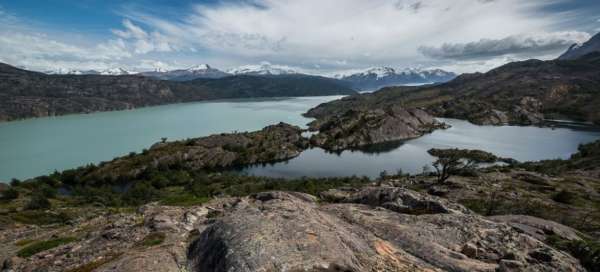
63 71
263 69
579 50
194 72
116 72
107 72
379 77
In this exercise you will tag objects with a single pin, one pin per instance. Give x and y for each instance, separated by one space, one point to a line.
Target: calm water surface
521 143
36 147
39 146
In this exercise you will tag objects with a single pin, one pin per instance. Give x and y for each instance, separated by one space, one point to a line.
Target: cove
517 142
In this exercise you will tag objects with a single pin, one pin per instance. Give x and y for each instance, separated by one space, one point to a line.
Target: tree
452 161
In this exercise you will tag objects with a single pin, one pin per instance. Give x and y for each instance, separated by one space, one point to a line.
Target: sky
312 36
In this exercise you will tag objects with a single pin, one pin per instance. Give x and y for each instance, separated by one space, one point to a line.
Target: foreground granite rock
286 231
357 128
278 231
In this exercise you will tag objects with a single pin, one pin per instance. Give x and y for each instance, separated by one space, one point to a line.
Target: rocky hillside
246 86
361 128
524 92
25 94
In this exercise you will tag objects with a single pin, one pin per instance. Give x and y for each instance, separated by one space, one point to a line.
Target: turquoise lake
36 147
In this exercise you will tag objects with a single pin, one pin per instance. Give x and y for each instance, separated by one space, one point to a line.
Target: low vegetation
37 247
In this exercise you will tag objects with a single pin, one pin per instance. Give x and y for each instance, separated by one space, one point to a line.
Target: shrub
587 252
37 247
15 182
10 194
565 197
38 202
140 193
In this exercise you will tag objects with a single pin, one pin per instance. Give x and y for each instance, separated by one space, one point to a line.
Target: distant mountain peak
577 51
199 67
264 68
377 77
116 72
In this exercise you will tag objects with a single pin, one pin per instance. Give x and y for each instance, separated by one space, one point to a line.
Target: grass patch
37 247
24 242
183 200
33 217
152 239
91 266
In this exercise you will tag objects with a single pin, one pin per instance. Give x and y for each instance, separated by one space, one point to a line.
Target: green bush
38 202
565 197
587 252
140 193
15 182
37 247
10 194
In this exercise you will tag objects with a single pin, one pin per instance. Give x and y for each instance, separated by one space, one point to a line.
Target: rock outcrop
371 229
278 231
357 128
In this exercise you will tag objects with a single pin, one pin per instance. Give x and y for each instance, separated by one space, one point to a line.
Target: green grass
33 217
91 266
24 242
152 239
38 247
183 200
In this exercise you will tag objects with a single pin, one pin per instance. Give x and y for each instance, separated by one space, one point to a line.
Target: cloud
326 35
141 41
518 45
364 33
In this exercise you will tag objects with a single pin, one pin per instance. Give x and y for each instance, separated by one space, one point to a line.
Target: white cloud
313 34
360 32
142 41
518 45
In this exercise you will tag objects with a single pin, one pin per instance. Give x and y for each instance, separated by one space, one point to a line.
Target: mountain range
26 94
366 80
378 77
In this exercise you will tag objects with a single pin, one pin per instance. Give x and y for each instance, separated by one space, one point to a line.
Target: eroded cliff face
370 229
358 128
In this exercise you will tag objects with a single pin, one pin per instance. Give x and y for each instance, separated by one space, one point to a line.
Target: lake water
517 142
36 147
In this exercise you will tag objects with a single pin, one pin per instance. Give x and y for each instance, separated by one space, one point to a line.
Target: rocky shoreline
359 128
